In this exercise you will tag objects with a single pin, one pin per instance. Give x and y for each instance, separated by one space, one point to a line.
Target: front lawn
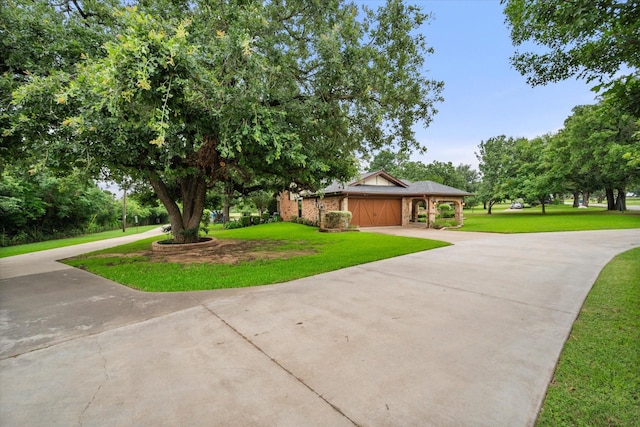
557 218
597 380
291 251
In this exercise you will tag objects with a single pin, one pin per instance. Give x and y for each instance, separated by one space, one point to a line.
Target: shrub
265 217
233 224
445 211
442 223
310 223
337 219
298 220
245 220
159 215
305 221
190 233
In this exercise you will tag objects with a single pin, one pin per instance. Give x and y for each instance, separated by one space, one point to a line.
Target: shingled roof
398 187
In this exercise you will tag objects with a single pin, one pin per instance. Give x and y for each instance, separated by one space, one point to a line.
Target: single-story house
375 199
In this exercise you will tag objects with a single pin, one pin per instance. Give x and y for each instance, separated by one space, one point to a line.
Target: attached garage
376 199
373 212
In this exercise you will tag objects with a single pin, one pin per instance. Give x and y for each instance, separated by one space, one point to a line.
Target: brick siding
310 211
288 208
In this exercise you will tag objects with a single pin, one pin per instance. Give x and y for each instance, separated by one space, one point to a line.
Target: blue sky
484 95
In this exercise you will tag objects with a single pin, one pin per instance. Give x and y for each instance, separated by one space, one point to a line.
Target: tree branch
79 9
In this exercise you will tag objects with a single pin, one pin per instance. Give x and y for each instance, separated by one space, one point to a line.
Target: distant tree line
37 205
598 150
591 154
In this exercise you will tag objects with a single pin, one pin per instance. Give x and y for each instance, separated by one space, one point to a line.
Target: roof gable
379 178
380 183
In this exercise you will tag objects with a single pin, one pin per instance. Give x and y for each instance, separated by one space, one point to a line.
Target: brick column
321 223
457 205
406 211
432 211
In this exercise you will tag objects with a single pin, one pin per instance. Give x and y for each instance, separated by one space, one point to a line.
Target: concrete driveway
466 335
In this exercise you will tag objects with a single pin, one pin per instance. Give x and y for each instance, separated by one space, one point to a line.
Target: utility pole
124 210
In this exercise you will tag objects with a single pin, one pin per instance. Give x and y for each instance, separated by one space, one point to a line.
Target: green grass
597 380
557 218
59 243
331 251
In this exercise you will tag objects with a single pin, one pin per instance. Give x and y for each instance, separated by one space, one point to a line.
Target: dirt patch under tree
226 251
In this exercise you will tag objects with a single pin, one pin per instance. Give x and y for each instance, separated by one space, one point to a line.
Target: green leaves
587 38
36 204
197 92
593 151
497 165
598 137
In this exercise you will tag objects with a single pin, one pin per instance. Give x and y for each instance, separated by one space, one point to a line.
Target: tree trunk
543 207
226 208
124 210
611 203
226 201
585 198
186 224
621 200
576 201
491 202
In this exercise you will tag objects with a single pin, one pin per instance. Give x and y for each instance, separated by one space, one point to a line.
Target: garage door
375 212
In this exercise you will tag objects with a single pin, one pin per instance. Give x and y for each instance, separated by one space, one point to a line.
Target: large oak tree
598 40
590 150
187 94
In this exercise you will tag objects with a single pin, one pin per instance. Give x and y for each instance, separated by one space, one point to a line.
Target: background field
557 218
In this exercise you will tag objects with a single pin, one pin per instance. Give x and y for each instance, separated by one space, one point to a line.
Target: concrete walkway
45 261
466 335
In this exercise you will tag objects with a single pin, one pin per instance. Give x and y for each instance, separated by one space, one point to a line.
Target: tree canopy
585 156
596 40
591 149
589 39
497 165
188 94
